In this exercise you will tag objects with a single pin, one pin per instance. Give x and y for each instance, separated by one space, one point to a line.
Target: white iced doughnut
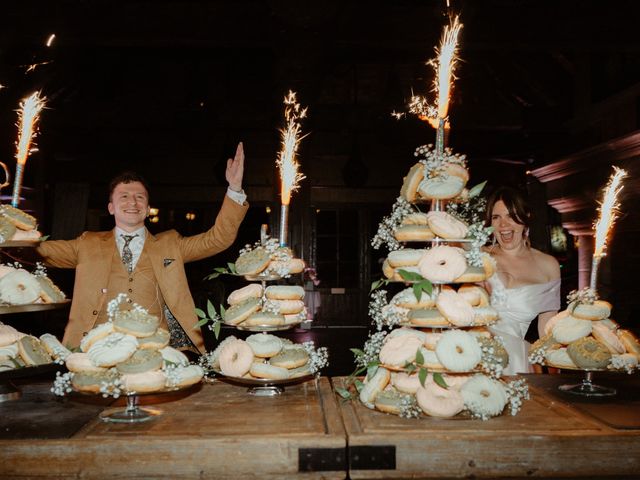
80 362
432 339
454 382
570 329
54 347
427 317
171 355
445 225
262 319
401 332
430 359
9 351
287 307
398 351
413 233
484 315
553 321
439 402
407 299
235 358
403 382
455 308
457 170
19 288
96 334
112 349
441 187
268 371
9 335
598 310
264 345
442 264
458 351
373 386
184 376
253 290
405 257
559 358
484 396
605 336
411 182
145 382
416 218
284 292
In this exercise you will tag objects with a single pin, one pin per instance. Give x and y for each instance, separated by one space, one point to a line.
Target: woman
527 281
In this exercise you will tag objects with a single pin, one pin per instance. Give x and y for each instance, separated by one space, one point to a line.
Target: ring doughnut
400 332
145 382
19 218
96 334
112 349
7 230
235 358
171 355
427 317
626 361
630 342
457 170
484 315
253 290
553 321
484 396
80 362
390 401
19 288
184 376
430 360
416 218
92 382
290 358
9 335
286 267
609 339
253 262
413 233
268 371
598 310
559 358
239 312
405 257
454 382
445 225
53 347
49 292
458 351
264 345
399 350
441 187
284 292
158 340
442 264
141 361
407 299
287 307
373 386
32 351
138 323
455 308
570 329
411 182
588 353
475 295
439 402
405 383
264 319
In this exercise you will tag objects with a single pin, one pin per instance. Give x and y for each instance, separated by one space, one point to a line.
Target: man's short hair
127 177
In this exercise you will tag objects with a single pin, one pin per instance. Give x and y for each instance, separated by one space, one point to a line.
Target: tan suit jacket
91 254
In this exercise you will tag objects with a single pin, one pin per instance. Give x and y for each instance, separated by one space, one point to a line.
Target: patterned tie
127 256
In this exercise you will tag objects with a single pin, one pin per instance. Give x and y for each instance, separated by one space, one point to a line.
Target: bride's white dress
517 308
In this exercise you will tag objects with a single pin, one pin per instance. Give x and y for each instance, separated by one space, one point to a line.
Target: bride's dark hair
515 203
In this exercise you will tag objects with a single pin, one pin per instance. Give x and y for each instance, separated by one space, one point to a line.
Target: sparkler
30 108
50 40
287 163
607 215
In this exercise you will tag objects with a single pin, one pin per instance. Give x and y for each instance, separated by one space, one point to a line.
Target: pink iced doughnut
442 264
235 358
445 225
398 351
253 290
440 402
454 382
405 383
455 308
605 336
458 351
475 295
432 339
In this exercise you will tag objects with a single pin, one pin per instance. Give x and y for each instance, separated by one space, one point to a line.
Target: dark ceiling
157 85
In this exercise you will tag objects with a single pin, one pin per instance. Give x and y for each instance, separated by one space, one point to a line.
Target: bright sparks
290 138
50 40
30 108
608 211
445 65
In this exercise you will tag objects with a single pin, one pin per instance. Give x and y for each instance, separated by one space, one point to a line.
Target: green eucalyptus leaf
216 329
410 276
359 385
439 379
45 238
371 370
211 310
422 376
417 291
357 352
419 358
232 268
410 368
200 313
375 285
475 191
223 311
212 276
200 323
343 392
425 286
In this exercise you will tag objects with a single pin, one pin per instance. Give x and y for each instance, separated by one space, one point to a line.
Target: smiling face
129 205
508 232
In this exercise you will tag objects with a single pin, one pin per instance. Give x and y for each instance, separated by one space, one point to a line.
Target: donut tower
584 337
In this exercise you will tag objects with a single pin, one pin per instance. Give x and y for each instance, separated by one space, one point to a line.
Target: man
148 268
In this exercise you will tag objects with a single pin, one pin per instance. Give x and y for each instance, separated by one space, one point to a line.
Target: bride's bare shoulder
547 263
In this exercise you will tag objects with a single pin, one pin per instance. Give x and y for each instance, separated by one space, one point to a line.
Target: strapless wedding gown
517 308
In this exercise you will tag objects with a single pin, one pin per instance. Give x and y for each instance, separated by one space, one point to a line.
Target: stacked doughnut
261 356
444 183
17 225
130 352
253 307
19 287
18 350
583 337
468 306
267 260
461 354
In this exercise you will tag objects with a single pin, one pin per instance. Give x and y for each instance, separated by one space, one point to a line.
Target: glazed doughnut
26 235
264 319
80 362
268 371
411 182
293 318
264 345
478 274
484 315
407 299
598 310
239 312
406 383
9 335
390 401
404 331
545 343
458 351
290 358
445 225
184 376
570 329
413 233
49 292
9 351
553 321
475 295
302 371
442 264
172 356
373 386
112 349
235 358
493 352
19 288
457 170
287 307
626 361
158 340
253 290
400 350
284 292
484 396
559 358
441 187
427 317
416 218
95 334
20 219
439 402
431 360
141 361
32 352
609 339
92 382
7 230
455 308
387 270
253 262
53 347
145 382
587 353
405 257
138 323
286 267
630 342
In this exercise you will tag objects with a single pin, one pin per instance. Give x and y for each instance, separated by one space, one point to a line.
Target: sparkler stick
607 215
30 108
287 161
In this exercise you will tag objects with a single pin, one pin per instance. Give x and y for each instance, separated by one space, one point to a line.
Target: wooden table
554 435
218 431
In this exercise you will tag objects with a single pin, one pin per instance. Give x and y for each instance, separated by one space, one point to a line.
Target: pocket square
168 261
